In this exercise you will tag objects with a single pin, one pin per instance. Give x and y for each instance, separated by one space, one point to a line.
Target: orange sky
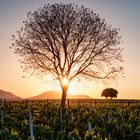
122 14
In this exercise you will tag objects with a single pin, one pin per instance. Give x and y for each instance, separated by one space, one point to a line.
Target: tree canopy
68 41
109 92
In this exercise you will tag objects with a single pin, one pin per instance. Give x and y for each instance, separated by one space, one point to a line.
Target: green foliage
92 136
74 134
124 121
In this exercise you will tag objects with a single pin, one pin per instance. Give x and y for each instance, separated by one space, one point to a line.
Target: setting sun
65 81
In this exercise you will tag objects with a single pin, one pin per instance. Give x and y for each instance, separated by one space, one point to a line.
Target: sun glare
65 81
72 89
75 87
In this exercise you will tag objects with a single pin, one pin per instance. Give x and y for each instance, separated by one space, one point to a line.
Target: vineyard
93 120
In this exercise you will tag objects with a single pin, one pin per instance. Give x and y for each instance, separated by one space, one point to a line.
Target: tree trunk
64 95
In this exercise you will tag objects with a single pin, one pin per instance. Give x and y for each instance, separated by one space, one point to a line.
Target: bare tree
68 42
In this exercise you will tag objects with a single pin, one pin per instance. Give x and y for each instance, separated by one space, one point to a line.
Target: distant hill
8 95
47 95
78 97
57 95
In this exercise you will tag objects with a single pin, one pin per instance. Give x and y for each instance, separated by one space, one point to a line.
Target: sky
123 14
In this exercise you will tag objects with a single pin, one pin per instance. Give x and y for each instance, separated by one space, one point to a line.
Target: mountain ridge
45 95
8 95
57 95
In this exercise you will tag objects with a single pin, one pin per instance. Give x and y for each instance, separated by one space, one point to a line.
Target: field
81 120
